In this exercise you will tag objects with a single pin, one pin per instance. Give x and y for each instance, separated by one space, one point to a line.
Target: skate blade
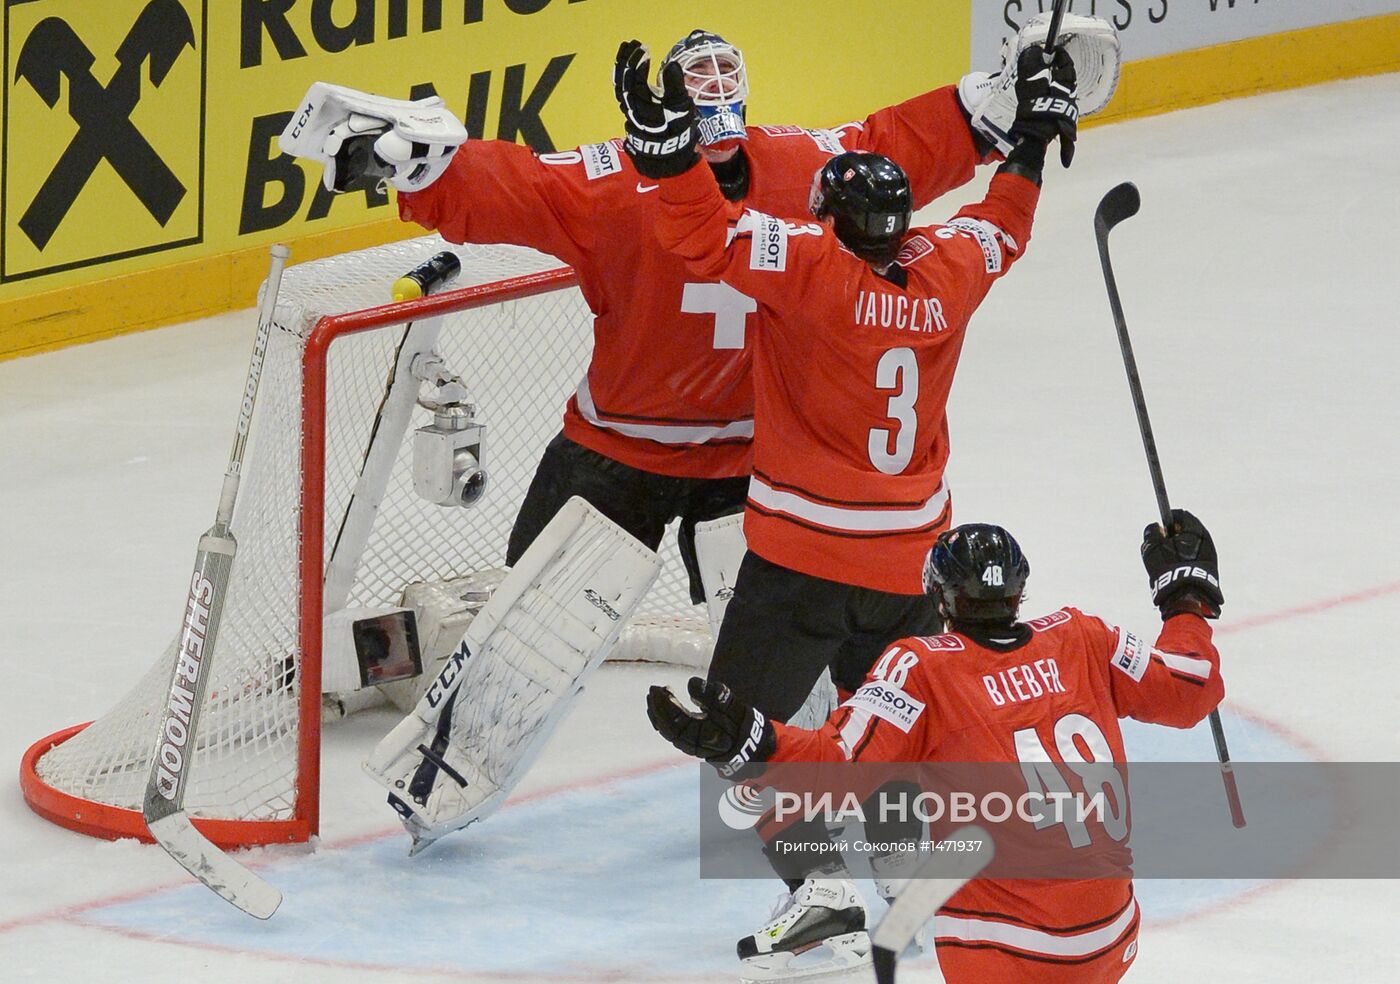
840 960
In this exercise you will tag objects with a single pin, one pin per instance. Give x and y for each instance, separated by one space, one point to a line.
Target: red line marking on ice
70 912
1311 608
397 971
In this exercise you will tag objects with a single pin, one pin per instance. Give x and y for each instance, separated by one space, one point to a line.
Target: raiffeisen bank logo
741 805
103 131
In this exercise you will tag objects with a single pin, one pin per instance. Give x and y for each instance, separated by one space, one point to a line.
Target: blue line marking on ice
596 882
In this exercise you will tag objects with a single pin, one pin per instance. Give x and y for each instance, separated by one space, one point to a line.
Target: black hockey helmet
977 573
868 199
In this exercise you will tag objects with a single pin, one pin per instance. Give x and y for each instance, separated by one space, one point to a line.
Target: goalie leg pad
1093 46
524 658
719 549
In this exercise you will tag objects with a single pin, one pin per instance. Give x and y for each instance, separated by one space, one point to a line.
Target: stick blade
224 876
1121 202
934 883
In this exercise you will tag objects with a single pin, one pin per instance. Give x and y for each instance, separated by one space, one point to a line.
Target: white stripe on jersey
844 518
1186 664
1033 940
661 433
854 730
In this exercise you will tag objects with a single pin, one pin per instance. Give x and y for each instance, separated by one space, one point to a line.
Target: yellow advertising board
141 178
140 181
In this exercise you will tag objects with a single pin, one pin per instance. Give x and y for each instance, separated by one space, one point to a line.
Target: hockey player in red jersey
857 329
993 688
660 424
857 333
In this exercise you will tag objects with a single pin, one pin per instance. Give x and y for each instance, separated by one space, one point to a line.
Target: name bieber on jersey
1019 684
890 309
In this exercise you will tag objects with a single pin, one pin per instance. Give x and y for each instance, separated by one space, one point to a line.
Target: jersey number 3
897 370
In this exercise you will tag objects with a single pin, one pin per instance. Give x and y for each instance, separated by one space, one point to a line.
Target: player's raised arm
486 191
939 137
718 239
1176 681
984 239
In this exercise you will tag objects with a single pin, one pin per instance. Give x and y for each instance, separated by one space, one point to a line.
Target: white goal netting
520 360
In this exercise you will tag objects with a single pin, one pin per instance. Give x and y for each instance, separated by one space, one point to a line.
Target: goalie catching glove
726 732
663 133
992 101
363 139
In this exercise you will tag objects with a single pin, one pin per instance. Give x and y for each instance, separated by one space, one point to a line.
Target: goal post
329 520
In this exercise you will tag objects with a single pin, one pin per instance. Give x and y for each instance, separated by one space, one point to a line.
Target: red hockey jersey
851 372
1054 700
668 388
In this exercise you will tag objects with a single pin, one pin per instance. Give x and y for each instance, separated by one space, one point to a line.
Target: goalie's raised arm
363 139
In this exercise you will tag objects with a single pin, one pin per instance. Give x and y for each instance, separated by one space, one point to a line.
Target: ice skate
815 934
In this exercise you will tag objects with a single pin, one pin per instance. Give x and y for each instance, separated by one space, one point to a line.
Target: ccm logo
448 675
302 120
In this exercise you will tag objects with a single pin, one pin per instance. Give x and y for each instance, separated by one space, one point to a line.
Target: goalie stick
934 882
1122 202
164 805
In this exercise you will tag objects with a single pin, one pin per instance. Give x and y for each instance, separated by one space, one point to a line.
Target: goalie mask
717 82
868 199
977 573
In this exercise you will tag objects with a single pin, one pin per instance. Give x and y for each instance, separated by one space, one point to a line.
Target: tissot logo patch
888 702
601 159
103 131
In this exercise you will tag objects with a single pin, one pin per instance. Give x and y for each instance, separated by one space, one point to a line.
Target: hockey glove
663 135
363 139
1046 106
1181 567
990 100
725 732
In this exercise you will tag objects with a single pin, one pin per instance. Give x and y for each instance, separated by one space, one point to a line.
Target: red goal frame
111 822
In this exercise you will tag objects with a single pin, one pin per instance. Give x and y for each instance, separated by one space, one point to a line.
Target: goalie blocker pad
1093 46
415 138
525 656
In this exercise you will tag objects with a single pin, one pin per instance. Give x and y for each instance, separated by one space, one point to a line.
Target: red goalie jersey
851 372
1056 698
668 389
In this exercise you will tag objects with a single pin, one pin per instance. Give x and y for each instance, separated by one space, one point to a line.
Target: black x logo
103 113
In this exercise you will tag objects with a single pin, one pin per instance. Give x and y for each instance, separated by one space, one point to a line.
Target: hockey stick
1052 35
933 884
164 806
1123 202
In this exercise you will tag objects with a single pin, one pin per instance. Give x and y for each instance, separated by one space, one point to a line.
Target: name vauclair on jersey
874 308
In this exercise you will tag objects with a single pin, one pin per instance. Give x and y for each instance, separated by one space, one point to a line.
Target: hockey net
516 329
